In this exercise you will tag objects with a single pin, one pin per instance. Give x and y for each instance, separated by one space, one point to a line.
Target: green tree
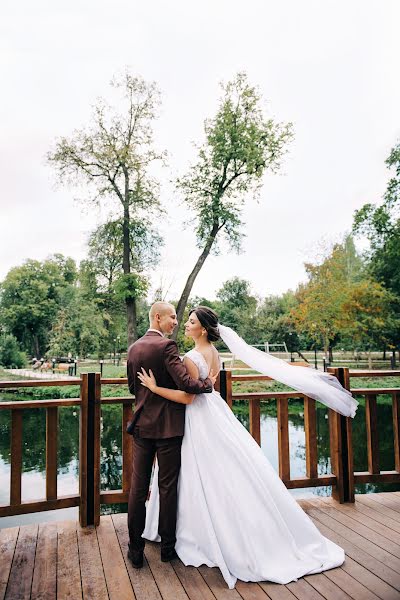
240 145
31 297
10 353
78 328
113 156
381 226
237 306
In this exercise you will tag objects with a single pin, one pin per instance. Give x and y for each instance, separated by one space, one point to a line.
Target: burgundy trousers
169 462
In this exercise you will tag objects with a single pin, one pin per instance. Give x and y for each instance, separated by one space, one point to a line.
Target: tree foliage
381 226
113 156
341 300
241 143
32 295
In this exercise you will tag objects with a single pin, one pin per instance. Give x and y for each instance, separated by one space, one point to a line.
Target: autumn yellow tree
341 299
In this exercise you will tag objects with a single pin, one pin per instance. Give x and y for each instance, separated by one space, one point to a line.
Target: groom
157 428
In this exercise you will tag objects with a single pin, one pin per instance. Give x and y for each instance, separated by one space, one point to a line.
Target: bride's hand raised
148 380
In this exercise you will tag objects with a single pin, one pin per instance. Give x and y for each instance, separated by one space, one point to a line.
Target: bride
234 512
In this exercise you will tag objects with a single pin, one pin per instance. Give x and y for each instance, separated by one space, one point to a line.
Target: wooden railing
52 500
342 476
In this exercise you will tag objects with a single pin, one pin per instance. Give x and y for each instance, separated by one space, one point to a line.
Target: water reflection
34 456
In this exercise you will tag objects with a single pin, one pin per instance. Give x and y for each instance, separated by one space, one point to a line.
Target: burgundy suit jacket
154 416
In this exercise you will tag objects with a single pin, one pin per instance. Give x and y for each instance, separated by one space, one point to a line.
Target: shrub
10 353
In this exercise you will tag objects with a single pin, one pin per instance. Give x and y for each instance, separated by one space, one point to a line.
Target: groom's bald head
162 316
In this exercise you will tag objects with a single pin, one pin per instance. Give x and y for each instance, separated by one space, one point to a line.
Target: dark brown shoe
167 555
136 558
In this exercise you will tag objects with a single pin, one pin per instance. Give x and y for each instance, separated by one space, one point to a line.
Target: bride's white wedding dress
234 512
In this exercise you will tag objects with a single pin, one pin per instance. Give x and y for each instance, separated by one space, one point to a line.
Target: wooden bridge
71 560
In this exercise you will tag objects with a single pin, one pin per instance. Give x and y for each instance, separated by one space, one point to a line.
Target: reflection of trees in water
111 450
296 421
34 438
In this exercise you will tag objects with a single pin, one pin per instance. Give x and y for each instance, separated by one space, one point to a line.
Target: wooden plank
283 438
366 519
303 590
142 580
252 377
276 591
229 395
51 452
117 579
367 500
16 457
124 400
363 529
382 477
127 448
371 421
372 373
213 578
92 574
310 430
388 500
83 453
354 588
355 538
255 420
39 383
267 396
369 580
97 449
8 540
387 578
20 580
302 482
396 428
164 575
333 440
193 583
23 404
377 516
113 497
326 587
44 583
39 506
69 586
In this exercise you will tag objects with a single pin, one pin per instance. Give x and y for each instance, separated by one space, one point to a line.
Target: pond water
34 458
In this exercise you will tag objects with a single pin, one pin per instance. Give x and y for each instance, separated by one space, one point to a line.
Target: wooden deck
61 560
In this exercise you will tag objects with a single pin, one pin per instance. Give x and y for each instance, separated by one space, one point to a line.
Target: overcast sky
330 67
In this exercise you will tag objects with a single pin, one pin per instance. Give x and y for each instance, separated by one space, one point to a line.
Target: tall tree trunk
36 348
126 265
131 320
192 277
330 354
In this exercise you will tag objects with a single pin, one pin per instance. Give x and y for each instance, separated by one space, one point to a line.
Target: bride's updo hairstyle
209 320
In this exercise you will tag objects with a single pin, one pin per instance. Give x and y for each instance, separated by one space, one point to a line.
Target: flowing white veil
316 384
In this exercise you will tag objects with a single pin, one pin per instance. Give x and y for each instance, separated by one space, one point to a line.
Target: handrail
342 478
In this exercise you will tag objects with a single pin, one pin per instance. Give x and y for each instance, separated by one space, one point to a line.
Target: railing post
89 450
341 447
225 386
